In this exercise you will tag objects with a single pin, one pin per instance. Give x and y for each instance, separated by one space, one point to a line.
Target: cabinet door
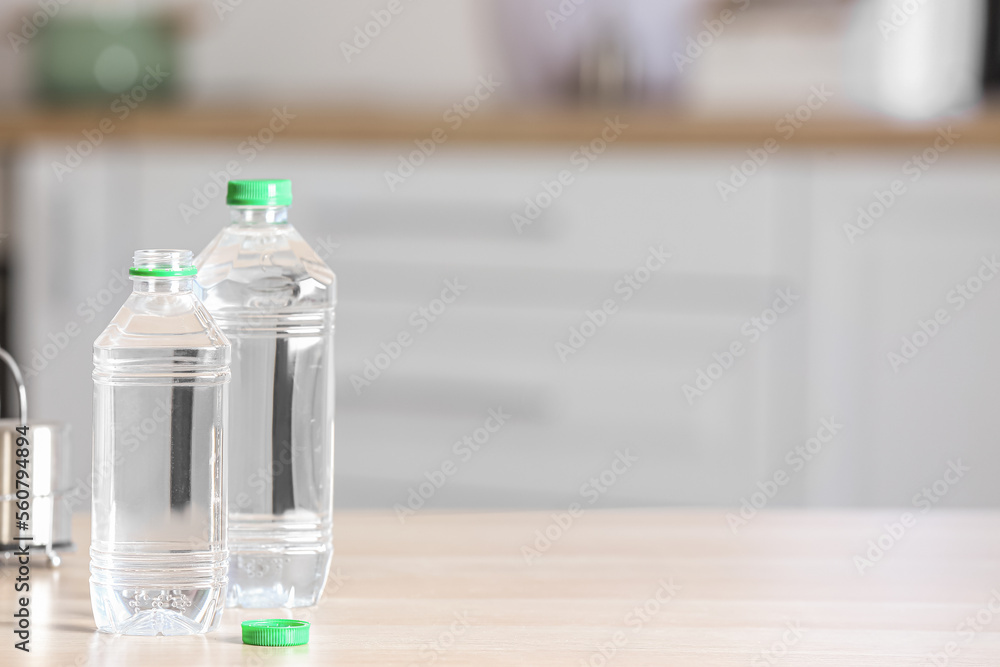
910 406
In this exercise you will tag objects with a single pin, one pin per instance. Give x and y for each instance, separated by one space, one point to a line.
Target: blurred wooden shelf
645 127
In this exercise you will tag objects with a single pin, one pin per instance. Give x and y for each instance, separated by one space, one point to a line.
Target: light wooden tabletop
617 588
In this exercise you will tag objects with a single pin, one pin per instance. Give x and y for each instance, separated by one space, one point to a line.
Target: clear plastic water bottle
274 298
158 557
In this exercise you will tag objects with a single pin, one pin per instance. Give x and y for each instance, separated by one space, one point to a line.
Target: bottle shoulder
269 268
166 322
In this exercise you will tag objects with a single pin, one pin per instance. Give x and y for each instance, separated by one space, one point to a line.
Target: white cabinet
906 417
495 346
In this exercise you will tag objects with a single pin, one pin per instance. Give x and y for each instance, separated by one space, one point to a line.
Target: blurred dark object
607 67
600 50
95 59
991 64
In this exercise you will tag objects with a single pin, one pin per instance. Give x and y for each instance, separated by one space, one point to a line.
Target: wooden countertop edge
538 127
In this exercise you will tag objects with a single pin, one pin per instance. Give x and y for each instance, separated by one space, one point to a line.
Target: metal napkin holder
50 520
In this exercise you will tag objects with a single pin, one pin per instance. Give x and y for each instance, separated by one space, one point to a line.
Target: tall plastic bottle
274 298
158 557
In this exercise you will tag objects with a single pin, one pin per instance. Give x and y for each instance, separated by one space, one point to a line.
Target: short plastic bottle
158 557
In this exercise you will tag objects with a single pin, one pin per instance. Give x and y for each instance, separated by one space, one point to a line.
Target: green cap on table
276 632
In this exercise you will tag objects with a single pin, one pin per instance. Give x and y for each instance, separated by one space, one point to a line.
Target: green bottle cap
276 632
259 193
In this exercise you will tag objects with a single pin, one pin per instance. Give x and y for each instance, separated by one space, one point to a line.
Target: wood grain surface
621 588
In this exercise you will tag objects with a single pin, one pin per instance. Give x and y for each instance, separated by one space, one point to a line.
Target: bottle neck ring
154 285
256 216
160 270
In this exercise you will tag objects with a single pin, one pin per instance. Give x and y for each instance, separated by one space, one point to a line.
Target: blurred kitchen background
742 136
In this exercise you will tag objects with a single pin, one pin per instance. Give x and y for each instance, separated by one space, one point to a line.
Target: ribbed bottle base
277 562
267 579
158 594
156 611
